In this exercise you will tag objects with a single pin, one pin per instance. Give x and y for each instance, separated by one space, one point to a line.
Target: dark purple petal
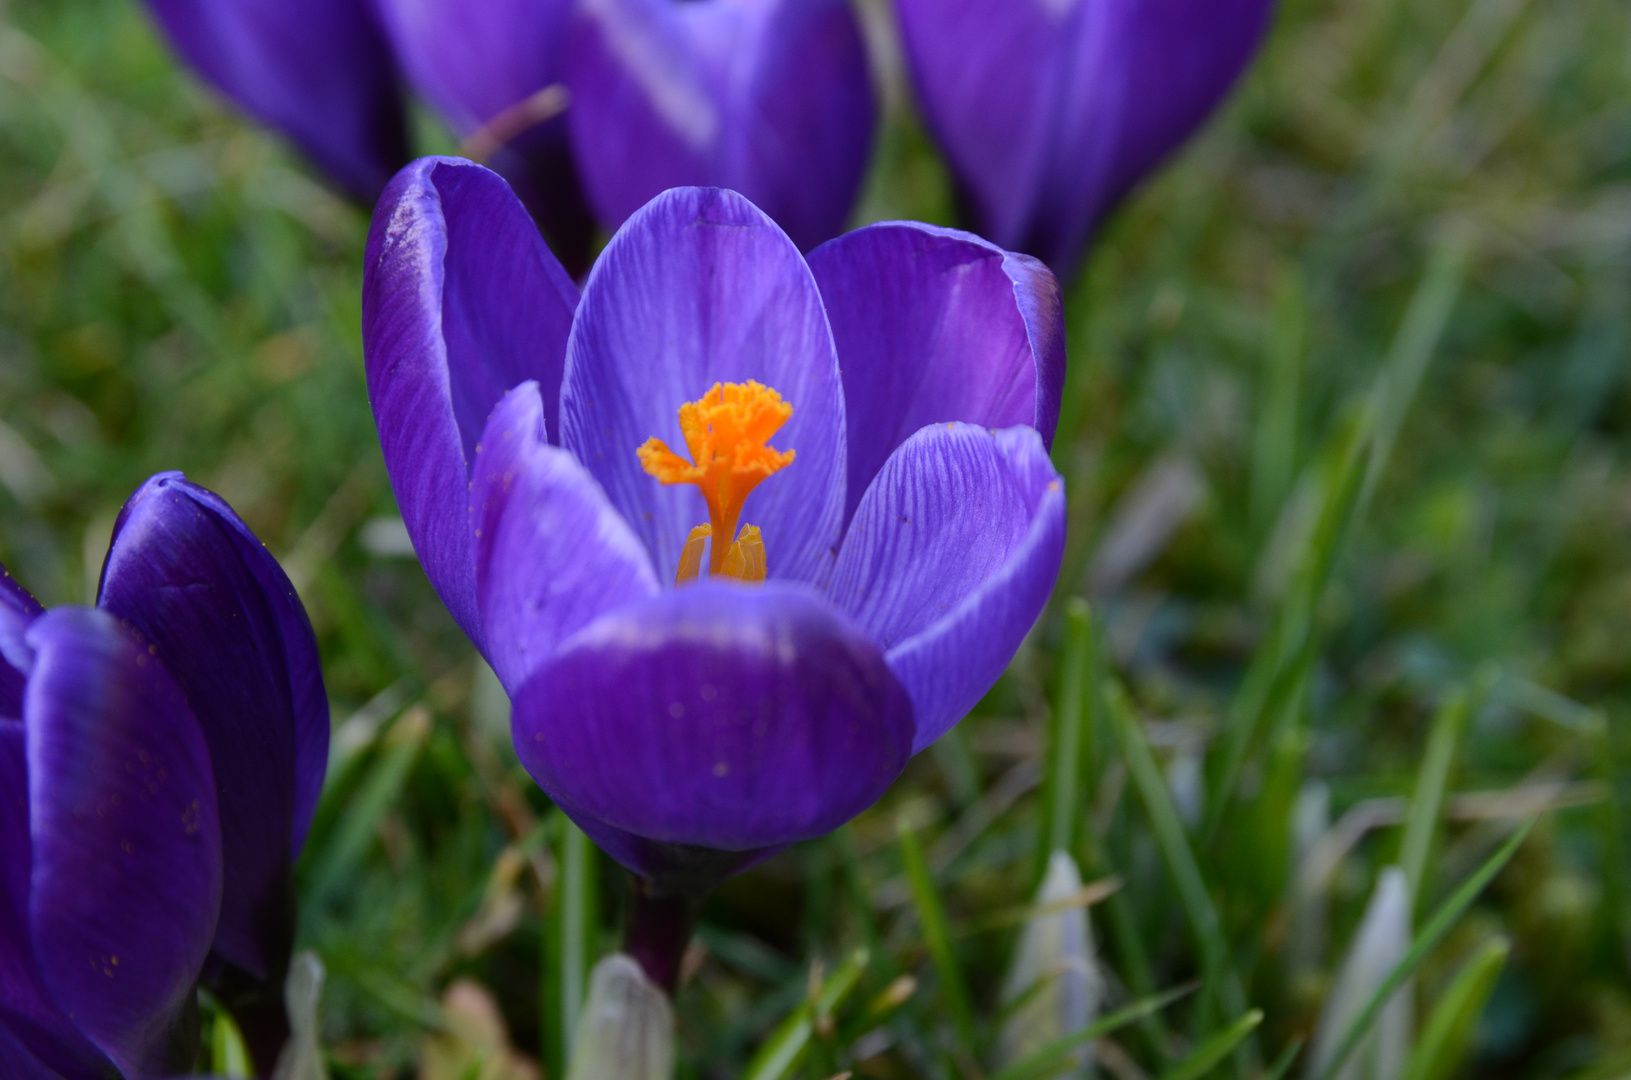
462 300
674 868
949 560
698 288
1050 110
127 845
480 64
320 71
771 98
935 325
551 553
17 610
187 574
473 61
33 1030
717 716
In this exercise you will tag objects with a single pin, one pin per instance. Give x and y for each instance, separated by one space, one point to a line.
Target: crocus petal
551 553
1050 110
935 325
771 98
701 287
17 610
717 716
186 573
33 1030
318 70
949 560
462 300
485 65
126 842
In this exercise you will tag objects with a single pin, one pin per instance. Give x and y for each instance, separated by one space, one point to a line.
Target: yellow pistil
726 432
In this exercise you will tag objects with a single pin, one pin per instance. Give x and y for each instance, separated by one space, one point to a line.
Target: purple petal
474 62
188 575
18 609
698 288
951 557
127 846
1050 110
39 1032
716 716
462 300
320 71
935 325
673 868
771 98
551 553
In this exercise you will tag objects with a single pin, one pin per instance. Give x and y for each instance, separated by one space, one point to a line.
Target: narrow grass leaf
1173 844
1057 1055
1206 1056
782 1050
931 915
1062 793
1447 915
568 943
1427 801
1448 1036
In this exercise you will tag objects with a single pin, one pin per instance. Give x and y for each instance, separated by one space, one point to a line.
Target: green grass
1368 335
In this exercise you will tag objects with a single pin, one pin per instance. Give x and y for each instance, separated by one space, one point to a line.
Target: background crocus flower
772 98
493 71
1049 111
911 523
162 755
320 71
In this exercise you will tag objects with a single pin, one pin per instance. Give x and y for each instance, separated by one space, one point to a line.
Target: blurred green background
1375 317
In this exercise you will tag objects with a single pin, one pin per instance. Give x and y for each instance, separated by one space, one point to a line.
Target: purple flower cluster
161 755
1047 110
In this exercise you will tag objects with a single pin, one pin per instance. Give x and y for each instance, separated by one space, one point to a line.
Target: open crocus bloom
160 759
1049 111
694 697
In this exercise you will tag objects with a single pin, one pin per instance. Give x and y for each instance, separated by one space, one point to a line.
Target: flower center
726 431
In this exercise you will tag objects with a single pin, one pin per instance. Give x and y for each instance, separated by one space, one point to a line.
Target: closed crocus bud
319 71
772 98
160 756
626 1029
1049 111
1053 971
494 72
1380 943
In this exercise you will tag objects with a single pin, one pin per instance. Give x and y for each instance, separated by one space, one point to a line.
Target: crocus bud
626 1029
1053 971
1381 942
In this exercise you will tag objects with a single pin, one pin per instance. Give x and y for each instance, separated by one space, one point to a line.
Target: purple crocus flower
160 759
1049 111
320 71
566 468
772 98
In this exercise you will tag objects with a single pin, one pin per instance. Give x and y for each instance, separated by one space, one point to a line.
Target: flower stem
658 931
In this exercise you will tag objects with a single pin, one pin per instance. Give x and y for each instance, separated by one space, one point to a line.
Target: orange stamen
726 432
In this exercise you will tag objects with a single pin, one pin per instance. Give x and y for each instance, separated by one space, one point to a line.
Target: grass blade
781 1051
1274 447
931 915
1061 786
1448 914
1057 1054
1427 801
1448 1035
1207 1055
568 945
1173 843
